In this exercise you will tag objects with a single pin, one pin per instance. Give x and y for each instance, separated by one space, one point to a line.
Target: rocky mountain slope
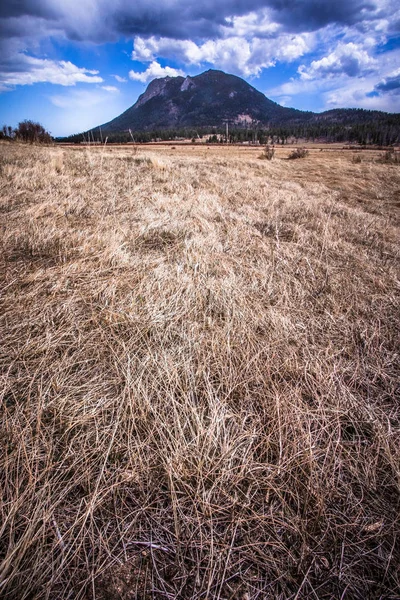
209 99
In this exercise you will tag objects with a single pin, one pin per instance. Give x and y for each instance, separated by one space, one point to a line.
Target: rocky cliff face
157 87
209 99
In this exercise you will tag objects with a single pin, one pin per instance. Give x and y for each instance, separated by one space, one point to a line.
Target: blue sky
74 64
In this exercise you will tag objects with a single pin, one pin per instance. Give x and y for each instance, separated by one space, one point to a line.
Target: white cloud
120 79
110 88
78 99
146 50
254 24
373 90
233 54
154 70
350 59
358 94
36 70
284 100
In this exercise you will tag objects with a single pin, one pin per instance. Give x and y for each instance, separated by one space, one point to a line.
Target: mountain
174 106
206 100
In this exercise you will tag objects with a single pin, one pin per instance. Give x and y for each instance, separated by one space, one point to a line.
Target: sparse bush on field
198 376
298 153
356 159
268 153
391 156
7 133
29 131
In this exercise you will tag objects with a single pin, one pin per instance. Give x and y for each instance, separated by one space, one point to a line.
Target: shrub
7 132
28 131
356 158
268 153
298 153
390 157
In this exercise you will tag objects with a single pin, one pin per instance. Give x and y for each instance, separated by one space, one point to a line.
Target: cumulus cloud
349 59
153 71
26 70
377 88
341 92
254 24
120 79
233 54
358 94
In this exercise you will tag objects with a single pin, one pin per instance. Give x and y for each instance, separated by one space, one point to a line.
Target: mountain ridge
205 100
213 98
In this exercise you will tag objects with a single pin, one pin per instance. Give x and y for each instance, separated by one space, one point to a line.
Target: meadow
199 359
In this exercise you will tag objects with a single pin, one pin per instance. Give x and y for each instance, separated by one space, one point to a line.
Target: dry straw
199 365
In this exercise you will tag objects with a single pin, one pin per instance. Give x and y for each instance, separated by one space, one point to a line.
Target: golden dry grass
199 367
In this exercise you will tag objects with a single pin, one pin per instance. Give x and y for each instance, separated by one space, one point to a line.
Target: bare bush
268 153
390 156
298 153
28 131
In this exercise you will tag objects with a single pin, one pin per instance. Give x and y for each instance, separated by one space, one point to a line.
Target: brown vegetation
298 153
390 156
199 363
28 132
268 153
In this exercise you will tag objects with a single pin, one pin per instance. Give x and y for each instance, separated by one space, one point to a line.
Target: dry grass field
199 366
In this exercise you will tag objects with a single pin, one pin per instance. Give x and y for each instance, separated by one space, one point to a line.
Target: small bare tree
28 131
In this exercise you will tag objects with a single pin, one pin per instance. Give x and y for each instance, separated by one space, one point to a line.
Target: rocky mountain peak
187 84
157 87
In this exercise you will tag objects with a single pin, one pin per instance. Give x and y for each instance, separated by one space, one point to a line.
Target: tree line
378 131
27 131
385 132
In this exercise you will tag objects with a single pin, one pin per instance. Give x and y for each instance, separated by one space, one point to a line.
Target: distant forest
383 131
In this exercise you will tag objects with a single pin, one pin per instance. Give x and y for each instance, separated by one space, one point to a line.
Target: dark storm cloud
103 20
314 14
390 84
205 19
18 8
